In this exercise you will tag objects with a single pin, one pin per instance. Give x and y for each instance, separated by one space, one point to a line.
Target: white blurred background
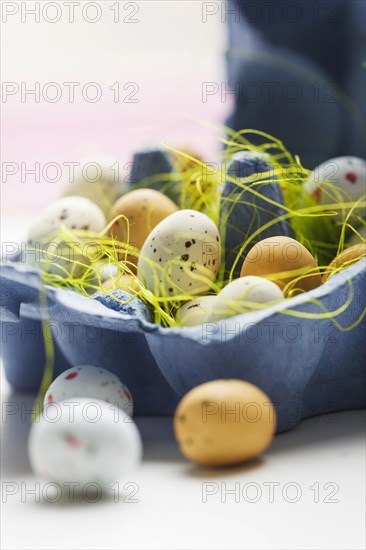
161 52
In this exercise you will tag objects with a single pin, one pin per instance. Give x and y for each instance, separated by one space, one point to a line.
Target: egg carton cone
155 168
246 208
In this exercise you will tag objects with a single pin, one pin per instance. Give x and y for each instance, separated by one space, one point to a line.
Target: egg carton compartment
307 366
82 332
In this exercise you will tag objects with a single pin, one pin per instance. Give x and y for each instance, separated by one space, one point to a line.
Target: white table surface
170 509
170 512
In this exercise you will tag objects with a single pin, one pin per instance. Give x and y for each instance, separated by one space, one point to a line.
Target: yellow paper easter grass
200 185
201 190
49 366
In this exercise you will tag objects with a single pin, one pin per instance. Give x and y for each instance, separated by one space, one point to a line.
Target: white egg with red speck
341 179
181 255
93 383
84 441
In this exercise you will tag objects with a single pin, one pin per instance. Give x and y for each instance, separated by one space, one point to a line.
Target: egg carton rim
87 308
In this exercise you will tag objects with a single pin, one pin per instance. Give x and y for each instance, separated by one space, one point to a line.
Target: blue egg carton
306 366
307 353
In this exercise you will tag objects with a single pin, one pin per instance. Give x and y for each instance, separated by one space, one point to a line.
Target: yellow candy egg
346 258
285 261
144 209
224 422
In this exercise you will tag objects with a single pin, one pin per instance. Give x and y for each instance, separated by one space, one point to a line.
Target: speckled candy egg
243 295
224 422
71 212
341 179
84 441
62 257
195 311
181 255
90 382
285 261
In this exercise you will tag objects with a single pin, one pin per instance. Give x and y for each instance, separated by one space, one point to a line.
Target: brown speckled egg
144 209
283 260
224 422
346 258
